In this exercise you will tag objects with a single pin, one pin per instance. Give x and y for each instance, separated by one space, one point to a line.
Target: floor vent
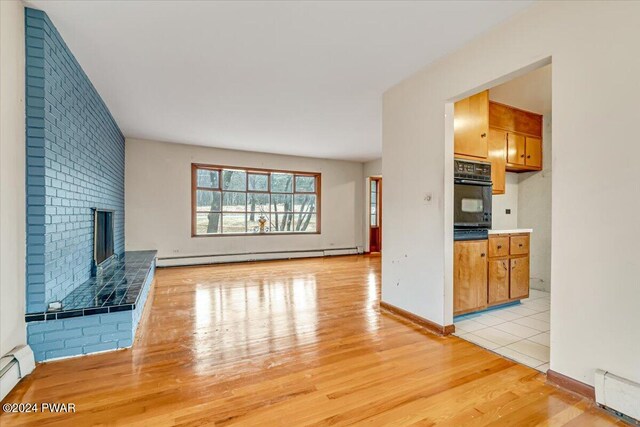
620 395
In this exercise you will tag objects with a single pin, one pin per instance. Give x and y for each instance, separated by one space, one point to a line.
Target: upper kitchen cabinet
509 138
471 124
516 149
524 136
515 120
498 159
533 152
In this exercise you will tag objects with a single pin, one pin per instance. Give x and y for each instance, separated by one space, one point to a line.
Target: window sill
312 233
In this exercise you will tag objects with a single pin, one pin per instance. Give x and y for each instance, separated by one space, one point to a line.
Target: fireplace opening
102 237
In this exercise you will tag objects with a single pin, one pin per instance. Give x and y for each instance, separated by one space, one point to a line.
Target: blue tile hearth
116 288
101 315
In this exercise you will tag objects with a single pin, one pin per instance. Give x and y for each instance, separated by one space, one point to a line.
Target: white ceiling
530 92
301 78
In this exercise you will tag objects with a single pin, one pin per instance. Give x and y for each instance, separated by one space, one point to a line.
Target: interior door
375 215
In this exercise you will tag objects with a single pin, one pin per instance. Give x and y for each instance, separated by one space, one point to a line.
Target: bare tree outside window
245 201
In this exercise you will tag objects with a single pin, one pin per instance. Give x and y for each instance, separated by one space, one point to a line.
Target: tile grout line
519 339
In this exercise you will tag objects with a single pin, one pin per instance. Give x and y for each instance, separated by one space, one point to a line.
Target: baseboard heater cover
252 256
14 366
619 394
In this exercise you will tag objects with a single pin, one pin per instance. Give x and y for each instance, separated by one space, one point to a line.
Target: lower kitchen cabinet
508 267
490 272
519 281
498 280
470 276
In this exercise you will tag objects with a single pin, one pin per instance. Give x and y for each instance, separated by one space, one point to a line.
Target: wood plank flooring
291 343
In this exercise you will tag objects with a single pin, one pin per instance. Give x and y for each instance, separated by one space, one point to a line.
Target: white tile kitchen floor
519 332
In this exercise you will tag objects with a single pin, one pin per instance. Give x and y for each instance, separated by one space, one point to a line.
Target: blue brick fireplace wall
75 162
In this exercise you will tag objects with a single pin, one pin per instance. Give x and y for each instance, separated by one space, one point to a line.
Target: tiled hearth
519 332
101 314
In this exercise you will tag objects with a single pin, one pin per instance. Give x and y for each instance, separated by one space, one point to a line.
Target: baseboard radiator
14 366
254 256
619 394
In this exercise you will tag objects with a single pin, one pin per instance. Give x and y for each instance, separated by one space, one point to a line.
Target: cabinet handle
528 157
483 135
504 264
482 255
499 246
521 155
520 245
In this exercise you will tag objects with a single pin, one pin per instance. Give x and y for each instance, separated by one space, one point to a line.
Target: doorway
505 306
375 214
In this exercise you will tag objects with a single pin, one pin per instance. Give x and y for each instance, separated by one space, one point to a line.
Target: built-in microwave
472 195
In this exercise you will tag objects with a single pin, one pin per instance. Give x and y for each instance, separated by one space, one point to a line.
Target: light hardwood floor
292 343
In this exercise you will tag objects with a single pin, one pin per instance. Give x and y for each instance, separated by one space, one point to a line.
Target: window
230 200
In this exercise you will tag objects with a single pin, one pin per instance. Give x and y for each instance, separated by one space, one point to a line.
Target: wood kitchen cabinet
508 267
470 276
524 136
519 277
524 153
533 152
471 124
498 159
498 280
509 138
515 149
490 272
513 119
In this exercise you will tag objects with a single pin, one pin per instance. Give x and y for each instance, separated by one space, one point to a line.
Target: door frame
448 172
378 179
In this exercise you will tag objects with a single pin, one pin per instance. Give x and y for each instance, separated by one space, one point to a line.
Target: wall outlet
508 211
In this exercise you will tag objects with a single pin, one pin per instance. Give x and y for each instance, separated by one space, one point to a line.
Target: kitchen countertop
513 231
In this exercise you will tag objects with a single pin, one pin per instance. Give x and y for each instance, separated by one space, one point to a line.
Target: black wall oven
472 199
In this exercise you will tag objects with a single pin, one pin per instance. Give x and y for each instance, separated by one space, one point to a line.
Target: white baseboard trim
253 256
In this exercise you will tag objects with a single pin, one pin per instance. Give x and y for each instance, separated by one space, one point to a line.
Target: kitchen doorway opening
500 283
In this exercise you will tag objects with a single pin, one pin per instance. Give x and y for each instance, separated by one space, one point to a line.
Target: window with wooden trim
231 201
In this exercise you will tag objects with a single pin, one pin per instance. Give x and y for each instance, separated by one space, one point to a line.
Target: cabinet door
515 149
470 275
533 152
498 280
519 280
527 122
498 159
501 116
471 125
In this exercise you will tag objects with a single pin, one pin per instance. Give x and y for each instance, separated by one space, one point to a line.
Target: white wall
501 202
535 210
371 168
595 258
12 176
158 200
